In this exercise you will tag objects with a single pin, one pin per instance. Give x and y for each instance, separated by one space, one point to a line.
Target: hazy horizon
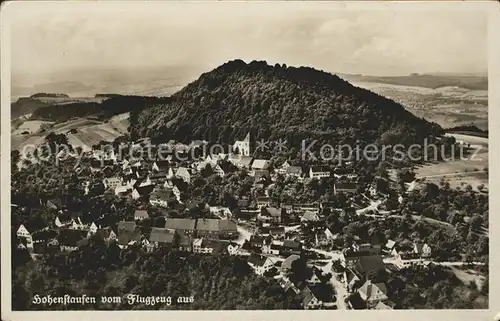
86 42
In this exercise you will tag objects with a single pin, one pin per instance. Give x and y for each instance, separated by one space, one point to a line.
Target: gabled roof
161 194
366 264
207 225
310 216
180 223
319 169
373 291
126 236
141 214
126 225
287 263
273 211
257 260
390 244
294 170
260 164
382 306
162 235
291 244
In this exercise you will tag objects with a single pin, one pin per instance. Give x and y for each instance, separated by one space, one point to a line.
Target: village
287 243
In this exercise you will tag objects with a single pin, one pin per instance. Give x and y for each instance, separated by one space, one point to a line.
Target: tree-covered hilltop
49 95
278 102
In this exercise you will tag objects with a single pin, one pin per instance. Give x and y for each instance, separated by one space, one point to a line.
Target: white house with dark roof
319 172
260 264
373 293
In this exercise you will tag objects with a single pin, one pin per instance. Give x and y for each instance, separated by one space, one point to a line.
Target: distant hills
467 81
278 102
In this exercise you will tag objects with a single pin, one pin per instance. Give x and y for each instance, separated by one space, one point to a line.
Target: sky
62 37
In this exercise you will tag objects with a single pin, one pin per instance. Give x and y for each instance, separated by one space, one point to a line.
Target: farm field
459 172
448 106
30 126
88 132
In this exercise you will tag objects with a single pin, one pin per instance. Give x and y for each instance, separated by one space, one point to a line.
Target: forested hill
278 102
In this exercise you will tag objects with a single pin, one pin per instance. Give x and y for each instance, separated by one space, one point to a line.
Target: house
215 228
282 169
286 266
160 165
140 215
142 190
263 201
123 190
372 190
162 237
70 240
294 171
240 161
158 177
260 264
271 248
314 297
271 214
106 234
319 172
288 285
373 293
42 236
329 235
389 246
161 196
260 164
261 177
309 216
382 306
372 249
291 247
404 260
177 193
209 246
351 279
257 241
276 232
233 248
315 277
54 204
185 241
26 230
243 146
423 250
344 173
312 207
128 233
346 188
218 170
184 225
220 211
112 183
93 228
183 173
63 220
77 224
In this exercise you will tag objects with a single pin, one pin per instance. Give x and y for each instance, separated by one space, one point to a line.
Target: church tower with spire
243 146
